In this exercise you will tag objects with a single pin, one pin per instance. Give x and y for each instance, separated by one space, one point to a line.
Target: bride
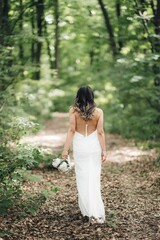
89 149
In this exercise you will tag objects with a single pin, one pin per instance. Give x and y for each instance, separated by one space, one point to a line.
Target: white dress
87 158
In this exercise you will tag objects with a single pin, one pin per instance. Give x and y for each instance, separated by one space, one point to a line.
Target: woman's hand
103 156
64 154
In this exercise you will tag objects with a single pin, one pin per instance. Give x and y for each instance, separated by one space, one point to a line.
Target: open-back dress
87 158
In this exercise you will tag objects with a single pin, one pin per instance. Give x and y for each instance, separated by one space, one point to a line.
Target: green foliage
37 98
14 156
11 179
31 202
5 233
40 72
134 110
84 57
14 164
43 157
111 219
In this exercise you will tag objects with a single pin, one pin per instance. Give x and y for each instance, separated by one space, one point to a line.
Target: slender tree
51 62
109 28
1 15
33 33
118 13
40 21
156 67
156 12
56 45
4 26
21 50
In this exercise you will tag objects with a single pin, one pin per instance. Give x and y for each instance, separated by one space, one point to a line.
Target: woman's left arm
70 134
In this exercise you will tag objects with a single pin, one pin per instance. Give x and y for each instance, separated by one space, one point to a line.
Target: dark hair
84 102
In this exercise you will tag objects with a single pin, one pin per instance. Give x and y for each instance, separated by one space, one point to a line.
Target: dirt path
54 133
130 191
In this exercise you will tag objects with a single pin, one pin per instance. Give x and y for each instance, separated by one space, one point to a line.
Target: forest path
130 191
54 133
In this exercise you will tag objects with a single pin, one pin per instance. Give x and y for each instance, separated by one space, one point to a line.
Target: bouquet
61 164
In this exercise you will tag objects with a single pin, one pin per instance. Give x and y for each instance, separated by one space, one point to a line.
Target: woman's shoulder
72 110
99 110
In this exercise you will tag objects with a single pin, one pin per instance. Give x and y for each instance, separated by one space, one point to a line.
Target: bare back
90 124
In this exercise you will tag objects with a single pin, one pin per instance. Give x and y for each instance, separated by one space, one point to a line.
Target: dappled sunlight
45 140
128 153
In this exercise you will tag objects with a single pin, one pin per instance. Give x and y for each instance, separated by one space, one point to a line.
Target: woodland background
49 48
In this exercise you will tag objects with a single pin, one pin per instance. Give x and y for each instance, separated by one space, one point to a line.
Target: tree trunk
5 40
51 62
56 45
5 10
4 26
118 12
108 28
157 26
33 41
1 15
40 20
21 50
156 42
91 54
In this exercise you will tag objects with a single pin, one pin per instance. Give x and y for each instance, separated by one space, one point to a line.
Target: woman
87 134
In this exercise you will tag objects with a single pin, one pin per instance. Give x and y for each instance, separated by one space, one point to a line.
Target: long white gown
87 158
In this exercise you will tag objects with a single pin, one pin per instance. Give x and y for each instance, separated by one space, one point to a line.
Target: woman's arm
70 134
101 135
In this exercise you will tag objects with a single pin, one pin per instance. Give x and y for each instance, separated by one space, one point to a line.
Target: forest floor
130 183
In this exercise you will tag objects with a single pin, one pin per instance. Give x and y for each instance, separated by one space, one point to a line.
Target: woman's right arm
101 134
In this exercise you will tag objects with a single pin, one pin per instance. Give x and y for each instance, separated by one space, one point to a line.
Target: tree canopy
50 48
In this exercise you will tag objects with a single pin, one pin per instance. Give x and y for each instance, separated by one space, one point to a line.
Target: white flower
62 165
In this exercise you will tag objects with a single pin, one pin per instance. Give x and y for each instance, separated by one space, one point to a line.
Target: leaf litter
130 183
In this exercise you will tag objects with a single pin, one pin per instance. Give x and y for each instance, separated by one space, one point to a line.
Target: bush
15 157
